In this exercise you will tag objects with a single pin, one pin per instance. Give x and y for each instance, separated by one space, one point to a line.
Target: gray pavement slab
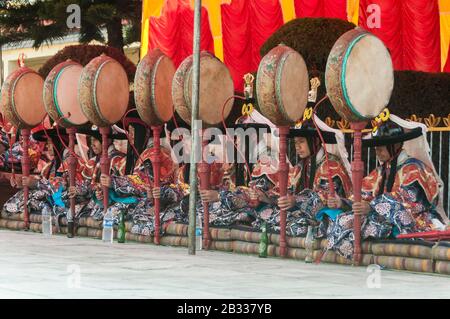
33 266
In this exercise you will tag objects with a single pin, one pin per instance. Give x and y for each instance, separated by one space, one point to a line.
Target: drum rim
153 88
94 91
21 74
180 75
348 51
55 100
287 52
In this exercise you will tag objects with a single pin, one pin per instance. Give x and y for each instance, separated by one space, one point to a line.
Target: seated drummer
133 193
308 199
91 171
49 189
402 195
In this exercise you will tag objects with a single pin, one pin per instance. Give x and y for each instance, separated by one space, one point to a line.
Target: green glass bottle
121 228
264 242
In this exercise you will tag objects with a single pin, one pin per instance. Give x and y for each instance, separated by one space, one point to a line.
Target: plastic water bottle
309 245
108 227
198 232
47 221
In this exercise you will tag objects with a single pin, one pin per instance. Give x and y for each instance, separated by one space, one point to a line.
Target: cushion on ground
175 229
95 233
174 241
253 248
82 231
442 267
294 242
404 263
222 245
13 216
414 249
441 251
92 223
330 256
247 235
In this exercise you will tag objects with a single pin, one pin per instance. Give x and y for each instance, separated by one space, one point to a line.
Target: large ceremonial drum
21 102
61 94
103 91
152 88
282 86
359 76
216 87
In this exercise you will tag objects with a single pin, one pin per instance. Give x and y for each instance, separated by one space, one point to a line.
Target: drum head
66 95
294 86
153 83
282 86
162 87
359 77
216 86
369 76
111 91
27 99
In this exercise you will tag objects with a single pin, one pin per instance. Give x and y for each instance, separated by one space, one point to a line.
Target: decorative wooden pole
283 172
204 172
72 161
25 133
105 164
156 160
194 128
357 177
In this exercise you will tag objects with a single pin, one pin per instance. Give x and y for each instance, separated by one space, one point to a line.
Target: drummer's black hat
306 128
94 132
389 133
55 134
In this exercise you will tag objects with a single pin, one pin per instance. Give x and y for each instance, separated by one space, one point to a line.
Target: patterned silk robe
309 202
408 207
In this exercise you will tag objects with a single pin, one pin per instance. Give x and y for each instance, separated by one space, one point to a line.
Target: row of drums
359 81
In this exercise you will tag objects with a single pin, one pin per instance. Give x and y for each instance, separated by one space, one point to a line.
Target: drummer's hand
209 196
99 193
334 202
253 194
28 181
13 182
286 202
156 192
72 191
105 180
361 208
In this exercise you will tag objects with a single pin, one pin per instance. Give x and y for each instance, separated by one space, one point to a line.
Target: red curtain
409 28
246 25
321 8
421 35
173 31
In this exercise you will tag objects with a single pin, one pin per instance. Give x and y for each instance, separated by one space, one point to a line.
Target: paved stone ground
32 266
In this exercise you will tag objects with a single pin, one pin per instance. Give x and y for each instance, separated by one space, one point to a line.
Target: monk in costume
308 200
133 193
402 195
49 190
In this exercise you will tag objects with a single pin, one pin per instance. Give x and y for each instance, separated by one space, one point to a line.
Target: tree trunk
115 35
